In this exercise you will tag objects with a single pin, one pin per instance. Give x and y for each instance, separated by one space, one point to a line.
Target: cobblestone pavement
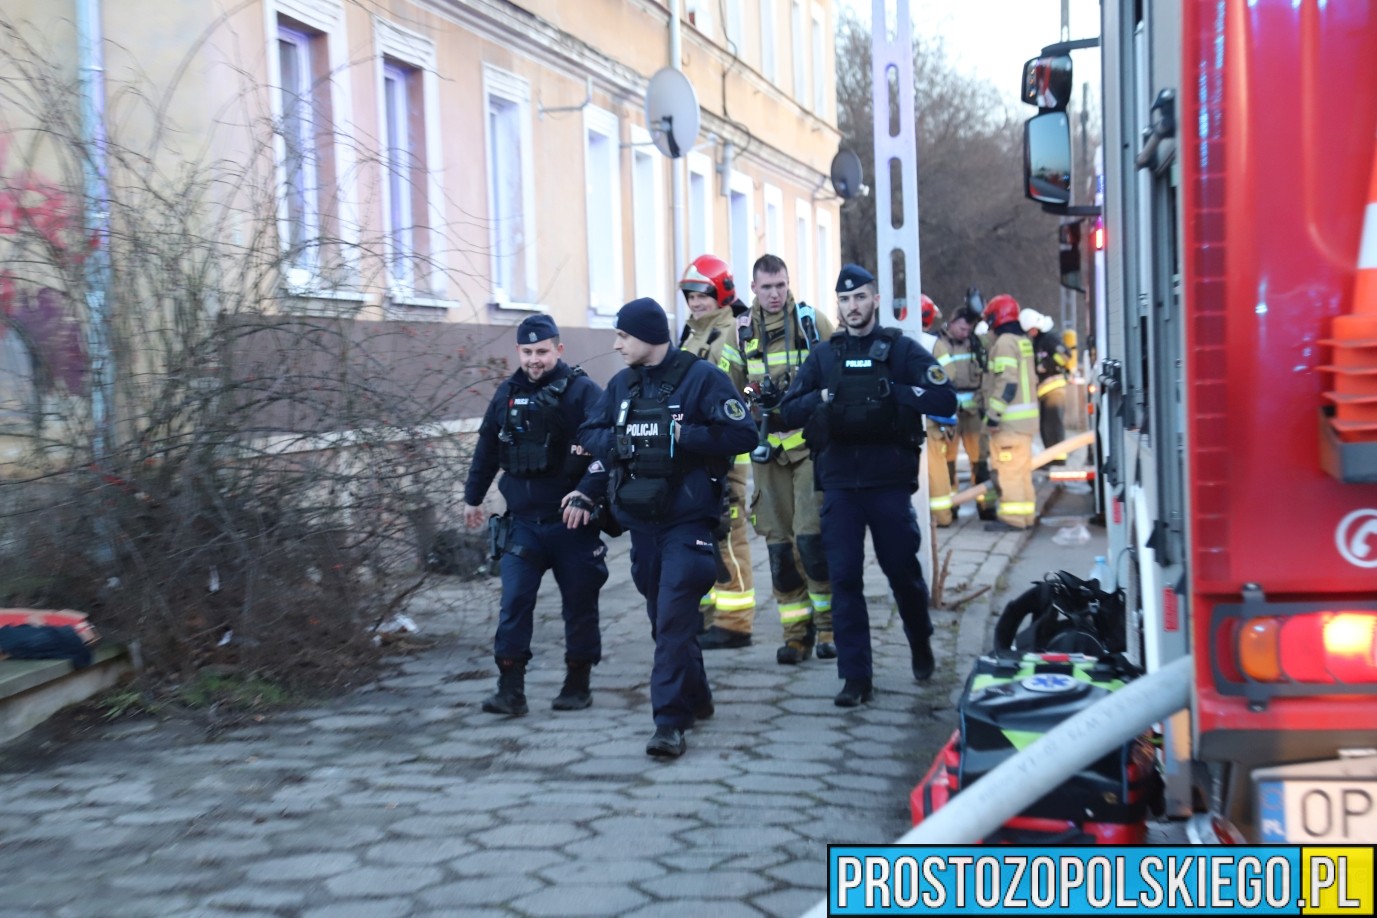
404 798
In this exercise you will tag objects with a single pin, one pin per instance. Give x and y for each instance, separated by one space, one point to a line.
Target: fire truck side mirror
1047 159
1047 82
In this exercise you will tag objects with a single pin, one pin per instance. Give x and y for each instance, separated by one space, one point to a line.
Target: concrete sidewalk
404 798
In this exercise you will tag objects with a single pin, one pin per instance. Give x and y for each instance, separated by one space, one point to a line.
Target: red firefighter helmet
1001 310
930 312
710 275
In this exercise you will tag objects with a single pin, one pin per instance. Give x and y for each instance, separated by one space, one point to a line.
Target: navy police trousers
889 514
578 558
673 567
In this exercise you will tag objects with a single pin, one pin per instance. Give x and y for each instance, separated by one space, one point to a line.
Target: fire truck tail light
1259 650
1316 648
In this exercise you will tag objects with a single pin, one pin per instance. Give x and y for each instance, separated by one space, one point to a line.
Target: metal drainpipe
676 173
96 219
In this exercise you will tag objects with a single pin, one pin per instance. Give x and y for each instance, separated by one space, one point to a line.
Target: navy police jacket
918 382
713 427
537 496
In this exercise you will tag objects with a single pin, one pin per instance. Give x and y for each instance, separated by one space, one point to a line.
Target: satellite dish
846 174
671 112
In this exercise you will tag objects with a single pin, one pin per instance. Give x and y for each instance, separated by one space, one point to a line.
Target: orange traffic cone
1353 367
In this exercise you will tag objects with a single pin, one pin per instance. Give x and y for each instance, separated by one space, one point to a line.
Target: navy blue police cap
853 276
536 328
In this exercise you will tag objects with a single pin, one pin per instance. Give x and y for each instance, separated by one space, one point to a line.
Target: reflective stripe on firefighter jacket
778 347
1010 393
1053 360
958 359
713 337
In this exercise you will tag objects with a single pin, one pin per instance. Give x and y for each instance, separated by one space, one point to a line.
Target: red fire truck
1236 349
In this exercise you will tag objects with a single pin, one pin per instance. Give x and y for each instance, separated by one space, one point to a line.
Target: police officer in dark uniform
528 431
858 398
668 427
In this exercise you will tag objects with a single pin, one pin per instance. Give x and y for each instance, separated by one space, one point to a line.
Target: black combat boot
510 698
854 692
923 663
575 695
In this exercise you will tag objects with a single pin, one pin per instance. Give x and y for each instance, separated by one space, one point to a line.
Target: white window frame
743 249
700 165
769 48
604 212
818 99
802 275
735 26
647 217
426 273
514 90
702 13
326 17
774 220
826 248
798 29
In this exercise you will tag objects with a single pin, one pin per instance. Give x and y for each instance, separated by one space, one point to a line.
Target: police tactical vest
863 408
534 436
645 443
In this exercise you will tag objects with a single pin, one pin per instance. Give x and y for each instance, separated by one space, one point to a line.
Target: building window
700 204
819 62
700 14
307 164
511 192
803 245
411 196
404 162
603 181
774 220
735 26
647 215
768 65
741 217
799 51
826 280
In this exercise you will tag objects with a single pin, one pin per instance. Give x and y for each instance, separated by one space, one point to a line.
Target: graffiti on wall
41 343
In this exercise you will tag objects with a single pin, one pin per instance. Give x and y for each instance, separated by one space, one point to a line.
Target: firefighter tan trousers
784 509
731 604
942 484
1011 456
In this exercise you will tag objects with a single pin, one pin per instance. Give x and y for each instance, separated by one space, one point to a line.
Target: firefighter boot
923 663
796 651
575 695
716 638
826 650
510 698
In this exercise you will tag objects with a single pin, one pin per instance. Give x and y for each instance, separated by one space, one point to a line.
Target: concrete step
31 691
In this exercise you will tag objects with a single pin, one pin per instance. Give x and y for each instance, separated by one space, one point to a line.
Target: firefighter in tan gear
1011 414
1052 360
957 353
729 609
784 506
